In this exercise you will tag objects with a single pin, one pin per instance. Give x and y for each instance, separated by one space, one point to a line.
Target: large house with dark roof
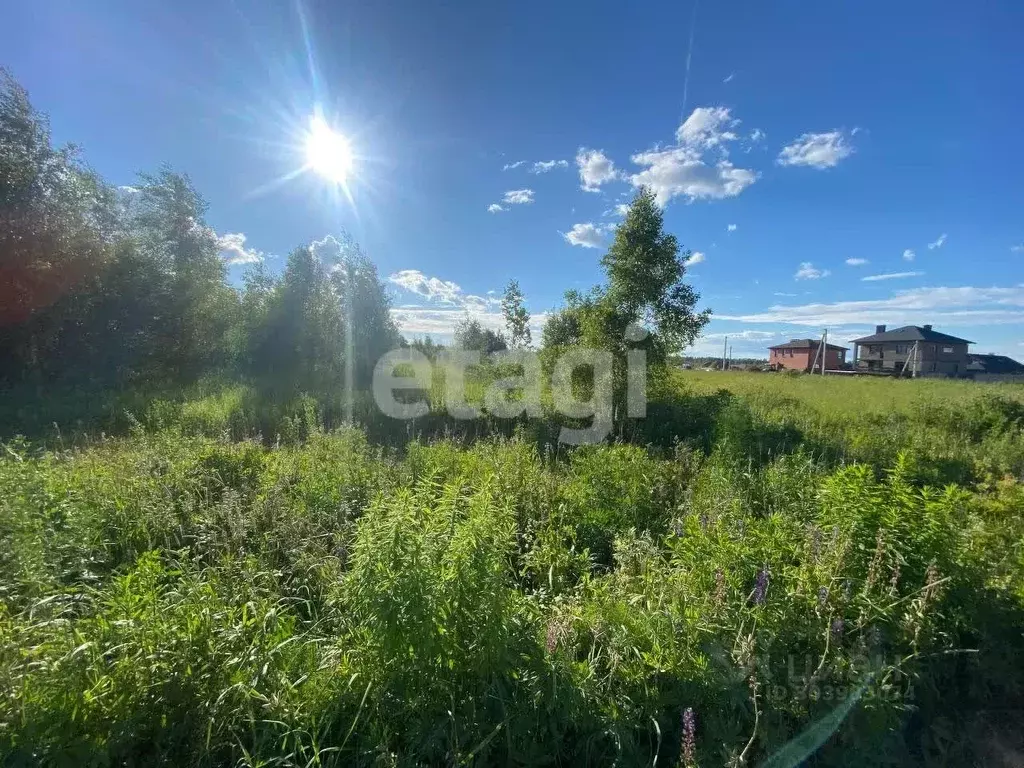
800 354
983 366
912 349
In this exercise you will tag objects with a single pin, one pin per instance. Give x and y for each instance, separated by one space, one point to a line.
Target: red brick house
799 354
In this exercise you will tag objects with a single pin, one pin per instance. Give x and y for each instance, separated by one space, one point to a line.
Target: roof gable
805 344
911 333
994 364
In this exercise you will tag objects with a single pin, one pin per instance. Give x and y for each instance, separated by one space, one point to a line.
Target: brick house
912 349
799 354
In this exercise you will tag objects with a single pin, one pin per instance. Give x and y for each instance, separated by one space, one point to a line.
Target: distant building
912 349
988 366
800 354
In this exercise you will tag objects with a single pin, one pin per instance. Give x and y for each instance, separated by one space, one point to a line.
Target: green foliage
179 596
469 334
235 578
517 319
104 291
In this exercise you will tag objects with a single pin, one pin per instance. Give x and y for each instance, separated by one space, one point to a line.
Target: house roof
804 344
993 364
911 333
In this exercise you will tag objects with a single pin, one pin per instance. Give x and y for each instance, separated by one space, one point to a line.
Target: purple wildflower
689 737
703 521
822 596
761 587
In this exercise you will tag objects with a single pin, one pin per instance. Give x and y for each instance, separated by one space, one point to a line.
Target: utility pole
725 351
824 350
730 357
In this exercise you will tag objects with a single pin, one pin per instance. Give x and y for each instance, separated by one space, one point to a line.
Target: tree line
124 287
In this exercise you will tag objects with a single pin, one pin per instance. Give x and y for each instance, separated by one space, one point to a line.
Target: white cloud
695 258
817 150
856 262
731 228
756 135
622 209
513 166
964 306
495 208
908 255
890 276
744 335
587 235
729 77
518 197
1017 248
430 288
331 252
680 171
939 242
697 166
440 323
233 251
707 127
779 293
808 271
543 166
595 169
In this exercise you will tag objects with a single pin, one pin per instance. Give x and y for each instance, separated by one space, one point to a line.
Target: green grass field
767 551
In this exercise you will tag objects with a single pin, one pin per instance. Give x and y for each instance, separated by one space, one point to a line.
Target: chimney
879 329
928 327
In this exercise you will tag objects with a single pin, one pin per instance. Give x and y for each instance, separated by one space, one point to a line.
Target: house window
947 350
901 349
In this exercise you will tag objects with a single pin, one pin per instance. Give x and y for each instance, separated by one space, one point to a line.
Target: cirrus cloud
890 276
964 305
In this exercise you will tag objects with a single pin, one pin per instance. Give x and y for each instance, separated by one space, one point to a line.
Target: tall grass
183 595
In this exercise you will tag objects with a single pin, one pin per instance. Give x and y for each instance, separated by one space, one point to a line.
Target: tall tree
197 307
470 334
517 319
364 301
57 228
645 282
645 304
301 345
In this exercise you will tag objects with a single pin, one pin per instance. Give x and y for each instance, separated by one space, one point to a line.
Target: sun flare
328 152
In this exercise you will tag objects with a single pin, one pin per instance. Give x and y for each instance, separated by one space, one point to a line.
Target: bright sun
328 152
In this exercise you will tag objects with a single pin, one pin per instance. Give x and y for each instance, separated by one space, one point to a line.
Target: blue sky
785 139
